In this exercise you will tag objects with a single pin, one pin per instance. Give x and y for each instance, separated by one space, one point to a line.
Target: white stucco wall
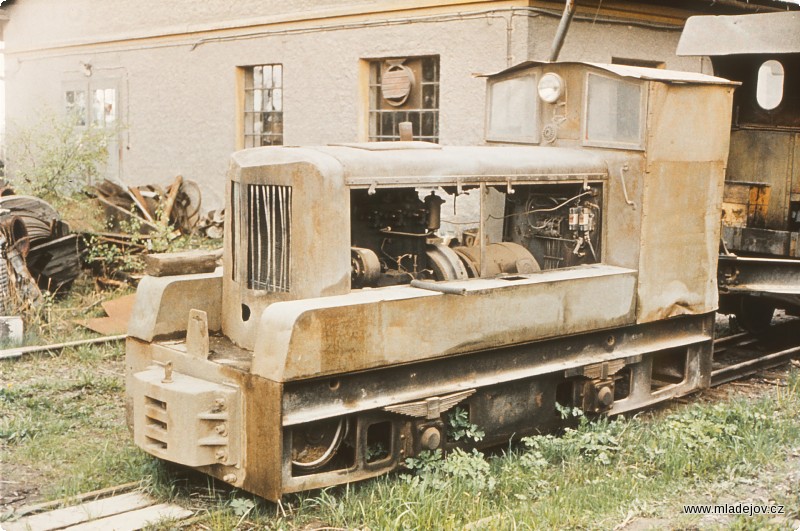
178 92
602 42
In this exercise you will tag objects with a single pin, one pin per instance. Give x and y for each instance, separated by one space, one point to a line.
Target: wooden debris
169 204
184 263
119 313
105 282
130 511
178 207
115 212
19 351
211 225
136 195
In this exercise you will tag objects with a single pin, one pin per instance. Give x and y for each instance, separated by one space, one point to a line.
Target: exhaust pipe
561 32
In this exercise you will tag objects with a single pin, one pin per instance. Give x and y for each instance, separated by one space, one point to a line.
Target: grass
591 477
63 421
62 426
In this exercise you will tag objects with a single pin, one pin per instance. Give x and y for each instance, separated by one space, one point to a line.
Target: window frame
250 138
88 86
374 96
536 138
643 95
782 97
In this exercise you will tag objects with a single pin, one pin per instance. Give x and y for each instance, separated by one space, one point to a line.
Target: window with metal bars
404 90
263 105
269 214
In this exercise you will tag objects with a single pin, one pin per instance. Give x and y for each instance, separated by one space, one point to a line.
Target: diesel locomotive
342 329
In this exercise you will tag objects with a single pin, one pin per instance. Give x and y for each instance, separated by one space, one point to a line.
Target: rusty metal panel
795 171
761 241
682 199
764 157
367 166
764 275
185 419
309 400
688 124
333 335
163 303
745 204
320 198
681 218
768 33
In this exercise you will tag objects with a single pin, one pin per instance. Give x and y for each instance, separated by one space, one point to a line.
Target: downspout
563 27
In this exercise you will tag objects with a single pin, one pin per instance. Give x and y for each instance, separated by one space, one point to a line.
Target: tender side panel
766 157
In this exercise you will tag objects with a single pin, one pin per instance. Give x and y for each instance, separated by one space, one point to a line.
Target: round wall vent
396 83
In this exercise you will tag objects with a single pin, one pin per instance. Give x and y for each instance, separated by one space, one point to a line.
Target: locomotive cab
368 291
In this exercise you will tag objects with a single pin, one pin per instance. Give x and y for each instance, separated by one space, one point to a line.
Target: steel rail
780 354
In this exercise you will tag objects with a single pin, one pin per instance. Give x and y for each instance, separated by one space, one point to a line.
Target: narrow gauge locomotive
759 269
340 330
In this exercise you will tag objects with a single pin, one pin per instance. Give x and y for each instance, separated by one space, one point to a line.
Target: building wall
179 85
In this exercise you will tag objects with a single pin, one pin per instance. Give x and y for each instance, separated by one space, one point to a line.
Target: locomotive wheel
754 314
315 444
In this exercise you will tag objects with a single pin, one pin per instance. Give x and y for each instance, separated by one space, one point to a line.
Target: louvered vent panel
269 213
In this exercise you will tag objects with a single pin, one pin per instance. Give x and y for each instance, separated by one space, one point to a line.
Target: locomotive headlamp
551 87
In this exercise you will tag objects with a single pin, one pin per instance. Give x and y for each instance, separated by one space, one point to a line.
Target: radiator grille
235 210
269 211
155 412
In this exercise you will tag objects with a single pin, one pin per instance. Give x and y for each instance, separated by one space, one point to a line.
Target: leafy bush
56 158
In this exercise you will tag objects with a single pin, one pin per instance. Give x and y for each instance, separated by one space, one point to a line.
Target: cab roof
637 72
767 33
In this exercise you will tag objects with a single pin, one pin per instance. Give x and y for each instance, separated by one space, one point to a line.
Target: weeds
591 476
459 428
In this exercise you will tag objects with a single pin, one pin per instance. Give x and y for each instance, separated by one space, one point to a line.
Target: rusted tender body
341 329
760 266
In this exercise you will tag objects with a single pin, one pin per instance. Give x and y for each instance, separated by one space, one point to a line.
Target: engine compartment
404 234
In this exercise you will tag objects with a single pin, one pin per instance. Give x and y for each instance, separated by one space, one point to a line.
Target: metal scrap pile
149 208
39 252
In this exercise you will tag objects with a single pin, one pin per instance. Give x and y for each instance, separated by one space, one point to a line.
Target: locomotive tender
341 331
760 268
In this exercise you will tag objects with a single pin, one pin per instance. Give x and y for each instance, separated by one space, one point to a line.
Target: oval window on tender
769 91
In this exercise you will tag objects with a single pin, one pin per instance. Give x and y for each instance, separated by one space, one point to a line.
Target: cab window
512 110
614 112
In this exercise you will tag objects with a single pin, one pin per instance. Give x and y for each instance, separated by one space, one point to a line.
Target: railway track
743 354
